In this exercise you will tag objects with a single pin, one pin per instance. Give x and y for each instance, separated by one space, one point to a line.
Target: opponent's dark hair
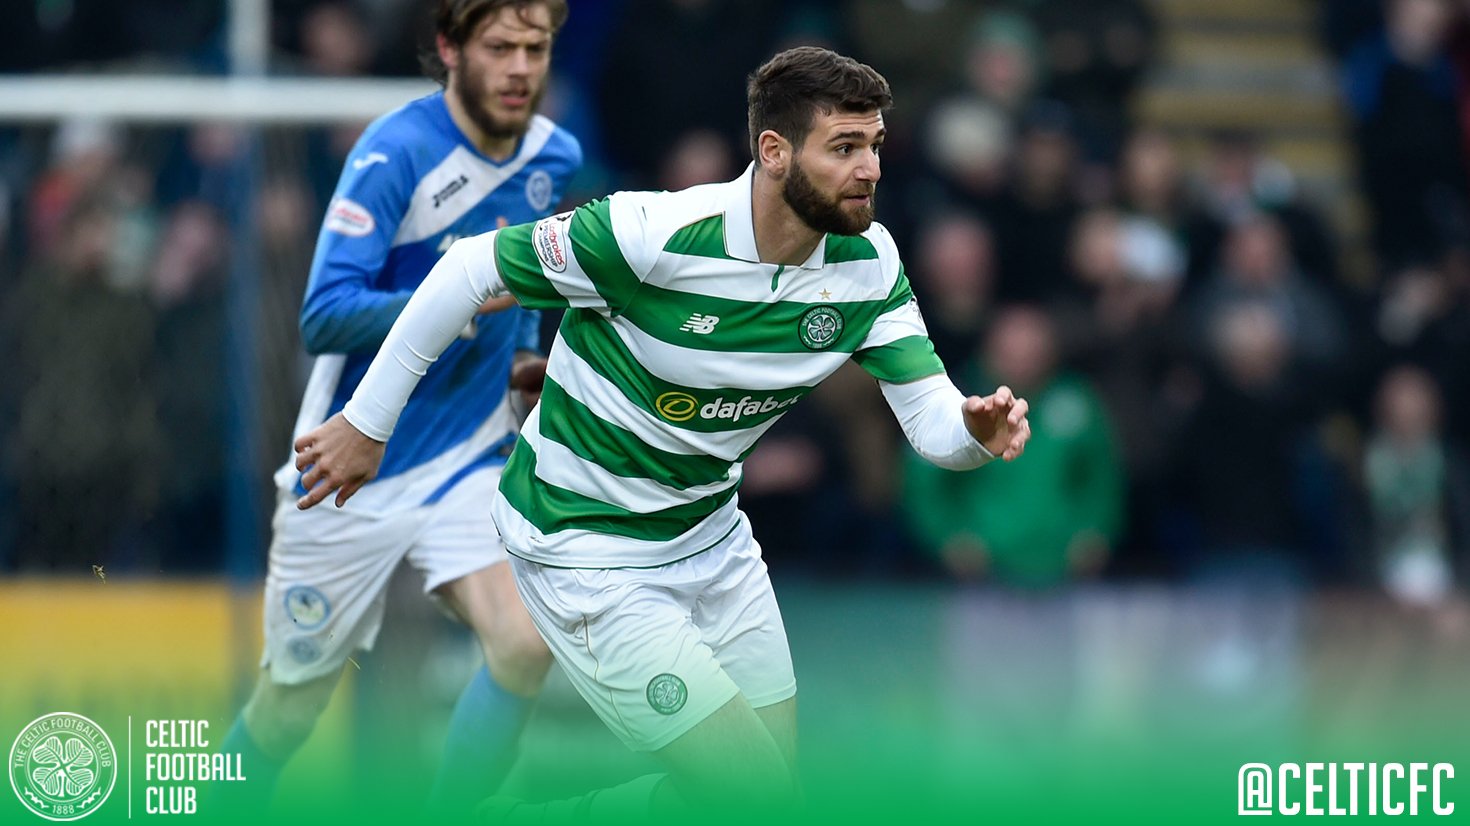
457 20
785 94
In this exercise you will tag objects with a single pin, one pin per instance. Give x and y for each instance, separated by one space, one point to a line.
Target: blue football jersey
412 186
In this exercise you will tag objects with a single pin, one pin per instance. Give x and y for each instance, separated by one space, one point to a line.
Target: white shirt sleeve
929 410
449 297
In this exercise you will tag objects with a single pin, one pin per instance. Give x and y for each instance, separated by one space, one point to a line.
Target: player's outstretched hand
335 456
998 421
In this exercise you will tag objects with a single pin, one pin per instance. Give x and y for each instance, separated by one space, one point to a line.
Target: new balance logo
700 324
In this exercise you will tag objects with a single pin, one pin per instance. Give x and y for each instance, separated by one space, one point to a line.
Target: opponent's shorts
329 569
656 650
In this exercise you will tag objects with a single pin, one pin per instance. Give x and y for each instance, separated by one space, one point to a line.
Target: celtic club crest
667 694
819 327
62 766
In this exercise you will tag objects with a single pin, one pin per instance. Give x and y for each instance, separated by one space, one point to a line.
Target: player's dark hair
457 21
786 92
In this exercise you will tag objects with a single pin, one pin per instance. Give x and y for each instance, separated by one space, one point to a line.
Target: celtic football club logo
667 694
62 766
819 327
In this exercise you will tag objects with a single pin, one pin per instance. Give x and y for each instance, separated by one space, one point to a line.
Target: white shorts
655 651
329 570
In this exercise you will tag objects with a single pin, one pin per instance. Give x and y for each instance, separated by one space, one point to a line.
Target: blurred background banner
1222 247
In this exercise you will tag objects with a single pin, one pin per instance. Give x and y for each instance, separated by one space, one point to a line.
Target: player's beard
821 213
469 86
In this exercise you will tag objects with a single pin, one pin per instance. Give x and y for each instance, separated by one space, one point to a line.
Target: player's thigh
280 715
486 600
326 586
737 614
629 647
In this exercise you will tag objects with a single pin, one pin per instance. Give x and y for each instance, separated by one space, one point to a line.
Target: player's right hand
335 456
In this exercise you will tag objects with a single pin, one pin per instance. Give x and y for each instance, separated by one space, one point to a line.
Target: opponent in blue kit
457 163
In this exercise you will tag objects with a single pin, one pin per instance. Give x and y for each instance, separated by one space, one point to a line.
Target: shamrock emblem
63 769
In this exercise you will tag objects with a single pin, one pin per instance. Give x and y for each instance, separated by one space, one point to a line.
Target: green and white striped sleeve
592 256
897 348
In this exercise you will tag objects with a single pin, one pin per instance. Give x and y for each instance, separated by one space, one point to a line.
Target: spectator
701 156
641 87
83 350
1400 88
1040 522
1034 216
954 280
1119 329
1240 181
1256 269
1239 455
1418 487
1422 314
1097 52
1151 181
187 368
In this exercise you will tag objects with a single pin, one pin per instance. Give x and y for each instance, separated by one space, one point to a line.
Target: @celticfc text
1346 789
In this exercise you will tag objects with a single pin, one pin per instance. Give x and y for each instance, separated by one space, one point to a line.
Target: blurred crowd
1213 394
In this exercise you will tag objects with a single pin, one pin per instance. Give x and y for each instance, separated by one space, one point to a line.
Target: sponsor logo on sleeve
348 217
550 241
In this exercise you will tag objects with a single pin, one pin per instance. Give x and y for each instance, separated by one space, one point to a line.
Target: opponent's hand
998 422
495 305
335 456
527 377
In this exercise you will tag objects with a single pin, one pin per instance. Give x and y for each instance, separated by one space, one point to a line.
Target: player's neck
495 148
780 236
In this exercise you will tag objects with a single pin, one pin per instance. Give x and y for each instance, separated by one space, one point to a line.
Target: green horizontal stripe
567 421
904 360
848 248
516 260
704 238
553 509
697 409
744 326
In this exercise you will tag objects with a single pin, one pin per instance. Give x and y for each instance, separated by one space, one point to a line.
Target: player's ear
775 152
448 52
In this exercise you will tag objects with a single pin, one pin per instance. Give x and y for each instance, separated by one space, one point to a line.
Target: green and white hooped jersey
678 351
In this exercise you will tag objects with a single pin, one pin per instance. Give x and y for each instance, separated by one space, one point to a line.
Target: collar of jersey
740 224
448 121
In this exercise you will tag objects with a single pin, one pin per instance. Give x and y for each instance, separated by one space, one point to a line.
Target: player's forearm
930 412
451 294
349 319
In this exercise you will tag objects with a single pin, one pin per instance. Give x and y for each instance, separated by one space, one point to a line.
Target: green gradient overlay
917 705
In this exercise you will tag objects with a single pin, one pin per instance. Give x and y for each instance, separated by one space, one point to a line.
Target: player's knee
518 658
281 717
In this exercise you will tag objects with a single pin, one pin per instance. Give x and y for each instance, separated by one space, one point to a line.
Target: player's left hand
528 376
998 422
